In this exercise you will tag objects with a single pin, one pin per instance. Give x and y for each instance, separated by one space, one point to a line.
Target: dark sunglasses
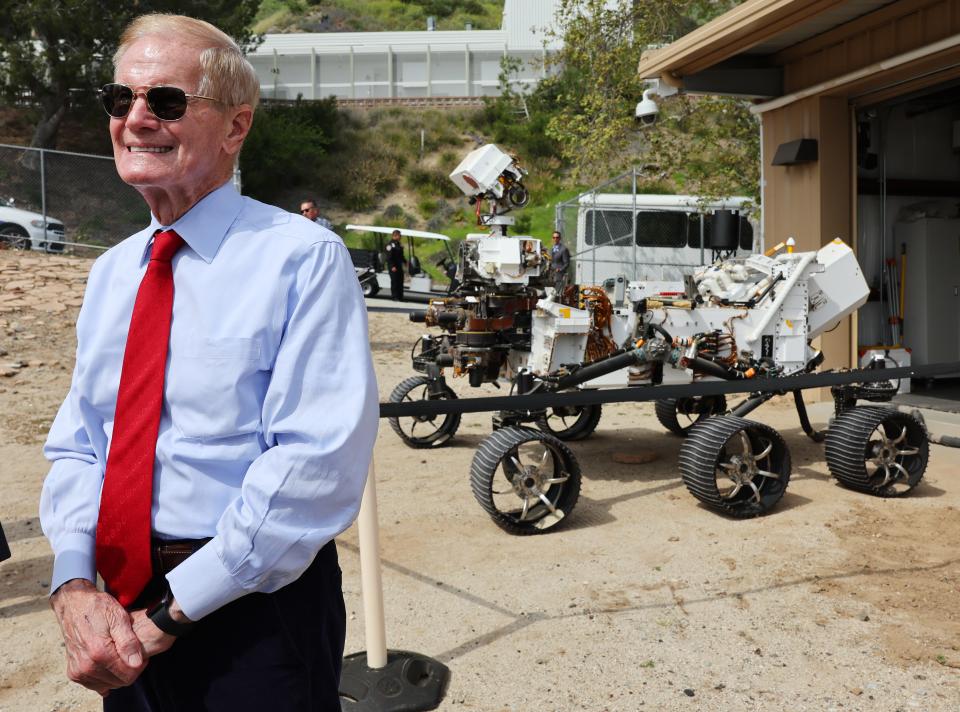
305 210
166 103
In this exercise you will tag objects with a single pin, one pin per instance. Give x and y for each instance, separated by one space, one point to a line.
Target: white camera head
487 173
647 109
479 174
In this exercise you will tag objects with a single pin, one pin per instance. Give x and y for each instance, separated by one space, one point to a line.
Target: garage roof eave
744 26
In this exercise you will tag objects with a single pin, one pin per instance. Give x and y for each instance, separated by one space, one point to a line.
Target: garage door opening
908 241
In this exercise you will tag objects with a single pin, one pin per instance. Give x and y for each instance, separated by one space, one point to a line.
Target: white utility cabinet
931 309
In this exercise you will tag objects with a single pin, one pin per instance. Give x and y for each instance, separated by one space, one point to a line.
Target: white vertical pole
390 70
353 76
276 71
313 72
370 581
43 194
466 65
429 73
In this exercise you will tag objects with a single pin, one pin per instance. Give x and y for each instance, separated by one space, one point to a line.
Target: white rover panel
559 336
835 290
507 260
480 171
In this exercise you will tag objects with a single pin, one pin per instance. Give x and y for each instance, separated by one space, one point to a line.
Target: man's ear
240 120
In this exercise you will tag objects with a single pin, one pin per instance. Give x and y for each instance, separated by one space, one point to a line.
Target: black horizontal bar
596 396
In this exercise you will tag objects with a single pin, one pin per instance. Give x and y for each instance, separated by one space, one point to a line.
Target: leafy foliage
285 145
700 145
519 118
376 15
372 151
51 48
577 125
429 182
708 146
596 79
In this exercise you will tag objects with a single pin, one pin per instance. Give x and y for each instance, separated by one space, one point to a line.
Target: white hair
225 73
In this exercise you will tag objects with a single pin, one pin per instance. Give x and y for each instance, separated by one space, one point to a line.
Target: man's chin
140 177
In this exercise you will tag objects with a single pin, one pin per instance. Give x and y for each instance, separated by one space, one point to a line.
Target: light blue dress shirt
270 402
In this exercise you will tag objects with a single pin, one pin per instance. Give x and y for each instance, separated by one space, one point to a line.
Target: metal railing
81 191
568 221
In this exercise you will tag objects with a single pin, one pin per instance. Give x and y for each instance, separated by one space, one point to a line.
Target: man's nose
140 113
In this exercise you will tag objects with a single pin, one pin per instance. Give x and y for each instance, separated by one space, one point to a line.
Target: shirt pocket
215 387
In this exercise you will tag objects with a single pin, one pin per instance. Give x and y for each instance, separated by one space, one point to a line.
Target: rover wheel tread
582 423
526 480
877 450
422 431
736 466
678 415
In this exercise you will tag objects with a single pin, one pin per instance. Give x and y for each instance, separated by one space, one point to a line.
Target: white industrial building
373 65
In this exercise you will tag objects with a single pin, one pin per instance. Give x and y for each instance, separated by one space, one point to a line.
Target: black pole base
4 549
409 682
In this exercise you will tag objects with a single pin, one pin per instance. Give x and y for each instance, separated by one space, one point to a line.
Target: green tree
700 145
285 145
50 49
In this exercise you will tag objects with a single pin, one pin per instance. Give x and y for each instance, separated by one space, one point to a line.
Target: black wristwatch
160 615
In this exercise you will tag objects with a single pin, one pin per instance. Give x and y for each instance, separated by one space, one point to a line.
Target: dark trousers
559 280
396 284
278 651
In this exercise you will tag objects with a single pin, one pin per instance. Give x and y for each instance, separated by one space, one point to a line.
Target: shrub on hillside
285 146
431 182
364 180
395 216
440 216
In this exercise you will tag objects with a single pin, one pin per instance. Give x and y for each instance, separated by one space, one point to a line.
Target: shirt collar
204 226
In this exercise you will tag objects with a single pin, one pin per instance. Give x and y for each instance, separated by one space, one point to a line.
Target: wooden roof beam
745 26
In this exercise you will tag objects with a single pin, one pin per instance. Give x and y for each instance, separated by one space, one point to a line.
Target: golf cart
371 269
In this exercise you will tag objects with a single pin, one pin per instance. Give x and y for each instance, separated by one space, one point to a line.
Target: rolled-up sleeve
320 417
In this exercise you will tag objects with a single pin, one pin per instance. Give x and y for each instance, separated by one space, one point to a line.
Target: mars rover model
736 319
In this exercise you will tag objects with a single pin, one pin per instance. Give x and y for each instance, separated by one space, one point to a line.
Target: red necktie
123 529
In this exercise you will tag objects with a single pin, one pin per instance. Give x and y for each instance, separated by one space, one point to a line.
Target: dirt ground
644 601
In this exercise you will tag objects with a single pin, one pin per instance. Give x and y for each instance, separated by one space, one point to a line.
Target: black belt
167 554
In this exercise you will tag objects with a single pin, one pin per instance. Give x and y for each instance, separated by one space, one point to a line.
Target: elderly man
221 417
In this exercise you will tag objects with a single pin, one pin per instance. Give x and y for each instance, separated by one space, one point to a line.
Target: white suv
22 230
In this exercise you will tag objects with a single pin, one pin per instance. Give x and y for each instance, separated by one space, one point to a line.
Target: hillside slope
376 15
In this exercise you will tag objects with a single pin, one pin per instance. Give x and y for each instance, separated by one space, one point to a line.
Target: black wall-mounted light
802 150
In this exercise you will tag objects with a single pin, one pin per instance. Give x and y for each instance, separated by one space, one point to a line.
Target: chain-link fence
59 201
612 230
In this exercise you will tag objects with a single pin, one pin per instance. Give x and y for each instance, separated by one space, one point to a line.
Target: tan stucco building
859 102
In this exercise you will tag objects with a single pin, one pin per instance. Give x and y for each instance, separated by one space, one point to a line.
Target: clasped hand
107 647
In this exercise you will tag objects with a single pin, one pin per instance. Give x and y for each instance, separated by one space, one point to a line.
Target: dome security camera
647 109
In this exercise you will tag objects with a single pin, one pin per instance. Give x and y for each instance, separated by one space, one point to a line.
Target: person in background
221 417
559 262
308 208
396 263
449 269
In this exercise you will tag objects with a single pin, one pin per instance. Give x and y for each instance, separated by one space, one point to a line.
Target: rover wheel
678 415
734 465
423 431
574 422
526 480
14 237
877 450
